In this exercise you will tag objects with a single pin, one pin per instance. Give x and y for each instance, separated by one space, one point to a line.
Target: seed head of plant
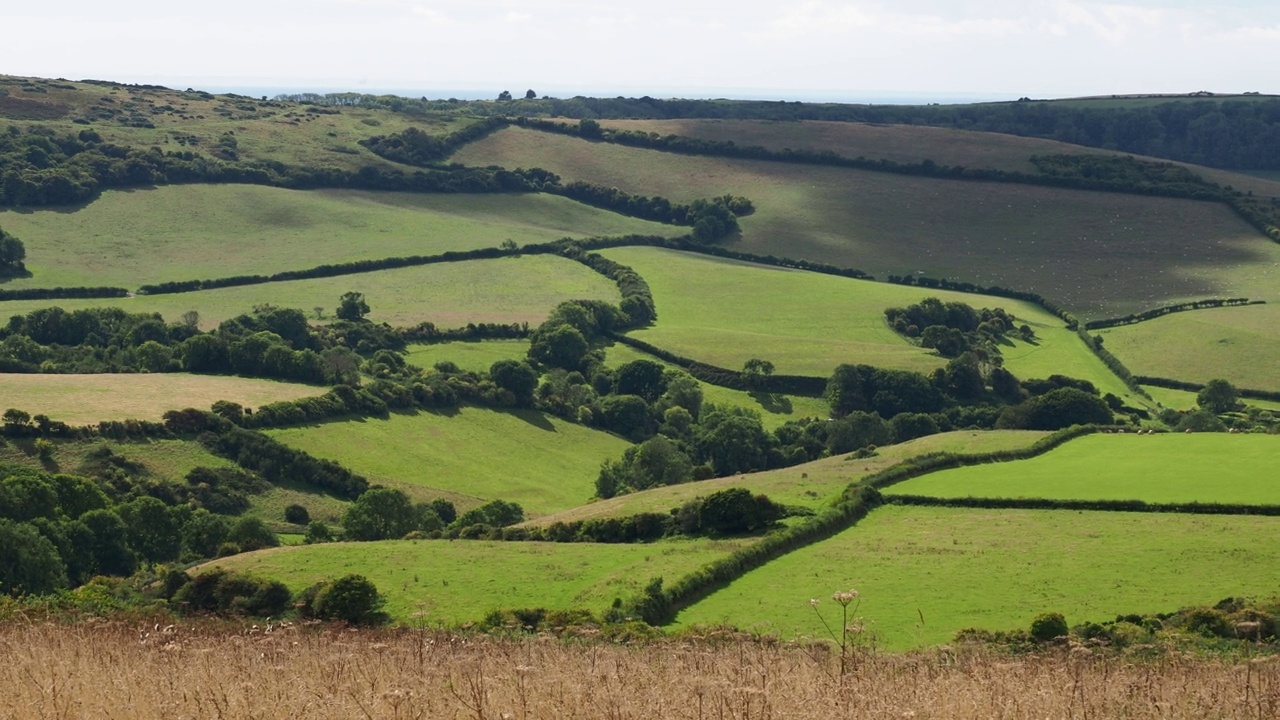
813 602
844 598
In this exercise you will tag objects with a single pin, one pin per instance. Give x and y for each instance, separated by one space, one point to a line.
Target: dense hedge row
1111 361
1194 508
786 384
415 147
61 293
1167 309
993 290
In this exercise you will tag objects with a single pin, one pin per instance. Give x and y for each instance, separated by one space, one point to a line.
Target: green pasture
320 506
813 485
86 399
503 290
924 573
455 582
1186 400
166 460
1099 254
775 408
1238 344
194 232
476 356
1163 468
725 312
913 144
471 455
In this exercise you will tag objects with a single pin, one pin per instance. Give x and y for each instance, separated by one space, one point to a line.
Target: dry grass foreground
117 670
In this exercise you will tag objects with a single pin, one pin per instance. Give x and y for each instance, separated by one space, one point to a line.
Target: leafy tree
530 94
1056 409
111 552
251 533
644 378
495 513
516 377
12 253
203 534
1048 626
857 430
297 514
562 346
626 415
317 532
504 95
352 599
352 307
29 562
1200 421
736 510
756 372
153 531
380 514
732 440
1218 396
682 391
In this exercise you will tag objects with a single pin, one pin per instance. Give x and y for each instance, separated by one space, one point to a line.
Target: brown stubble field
115 669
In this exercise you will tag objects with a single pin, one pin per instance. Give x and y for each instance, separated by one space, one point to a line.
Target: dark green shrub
1210 622
297 515
352 599
1048 626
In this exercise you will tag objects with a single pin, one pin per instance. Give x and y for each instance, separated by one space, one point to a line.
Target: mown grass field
1166 468
471 456
1238 344
169 460
85 399
1099 254
1186 400
503 290
475 356
455 582
913 144
812 485
725 312
924 573
194 232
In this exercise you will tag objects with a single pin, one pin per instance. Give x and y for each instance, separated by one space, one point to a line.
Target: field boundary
1135 318
1171 384
1192 508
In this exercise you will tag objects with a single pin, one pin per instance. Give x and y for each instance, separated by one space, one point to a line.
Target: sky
870 50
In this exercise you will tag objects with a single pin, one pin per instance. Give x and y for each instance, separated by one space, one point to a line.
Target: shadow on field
772 402
534 418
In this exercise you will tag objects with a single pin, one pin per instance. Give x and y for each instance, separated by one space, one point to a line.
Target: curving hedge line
802 385
1167 309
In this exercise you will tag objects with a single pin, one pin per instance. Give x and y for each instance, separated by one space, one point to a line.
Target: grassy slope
189 232
281 132
725 312
84 399
471 456
505 290
1100 254
1174 467
811 485
163 459
455 582
999 569
1239 344
911 144
1186 400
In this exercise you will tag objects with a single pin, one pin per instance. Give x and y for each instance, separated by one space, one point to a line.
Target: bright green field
85 399
1238 344
162 459
813 484
775 409
505 290
454 582
192 232
1165 468
725 312
1186 400
999 569
474 356
541 462
1099 254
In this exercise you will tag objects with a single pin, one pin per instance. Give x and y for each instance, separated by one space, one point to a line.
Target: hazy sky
947 48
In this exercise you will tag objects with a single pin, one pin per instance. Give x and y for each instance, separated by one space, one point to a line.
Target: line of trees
1167 309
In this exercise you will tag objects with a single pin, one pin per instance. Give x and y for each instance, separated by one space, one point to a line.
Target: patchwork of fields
1099 254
